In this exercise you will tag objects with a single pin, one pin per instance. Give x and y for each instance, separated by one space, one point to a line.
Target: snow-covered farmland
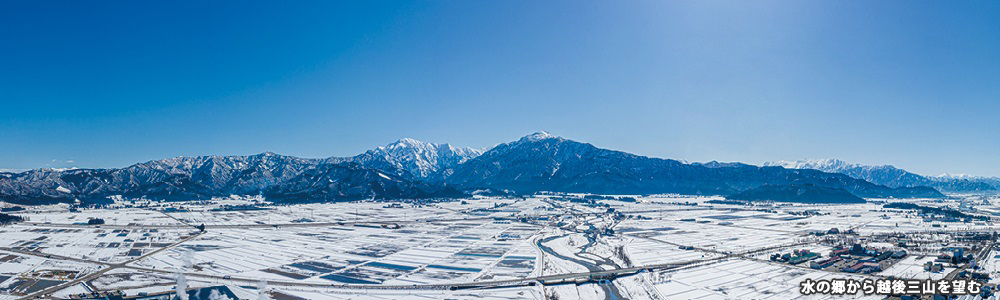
561 246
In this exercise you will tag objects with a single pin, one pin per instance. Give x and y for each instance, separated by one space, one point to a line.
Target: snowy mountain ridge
420 159
276 176
962 176
892 176
543 162
409 168
827 165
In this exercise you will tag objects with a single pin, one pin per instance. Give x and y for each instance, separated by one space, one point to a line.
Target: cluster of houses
933 267
240 207
215 292
956 257
865 260
831 231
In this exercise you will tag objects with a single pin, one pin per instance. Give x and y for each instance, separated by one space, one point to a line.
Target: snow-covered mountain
964 179
948 176
889 175
412 169
885 174
831 165
543 162
420 159
281 177
352 181
232 174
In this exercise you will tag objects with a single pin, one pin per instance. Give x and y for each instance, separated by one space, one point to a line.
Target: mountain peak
537 136
409 141
419 158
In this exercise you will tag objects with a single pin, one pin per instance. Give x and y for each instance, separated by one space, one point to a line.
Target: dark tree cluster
933 210
731 202
12 208
8 219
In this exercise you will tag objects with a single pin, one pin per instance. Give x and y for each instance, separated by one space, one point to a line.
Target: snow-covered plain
695 249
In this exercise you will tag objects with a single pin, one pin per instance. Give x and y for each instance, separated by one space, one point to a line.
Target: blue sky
107 84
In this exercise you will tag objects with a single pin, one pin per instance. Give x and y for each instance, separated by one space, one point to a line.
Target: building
857 249
930 266
883 256
803 256
839 252
786 257
824 263
863 267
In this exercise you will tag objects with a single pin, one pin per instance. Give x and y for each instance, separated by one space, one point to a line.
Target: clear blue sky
107 84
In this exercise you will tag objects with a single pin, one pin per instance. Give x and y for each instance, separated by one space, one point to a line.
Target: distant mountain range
413 169
894 177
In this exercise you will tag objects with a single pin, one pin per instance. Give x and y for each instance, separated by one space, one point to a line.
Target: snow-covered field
692 248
